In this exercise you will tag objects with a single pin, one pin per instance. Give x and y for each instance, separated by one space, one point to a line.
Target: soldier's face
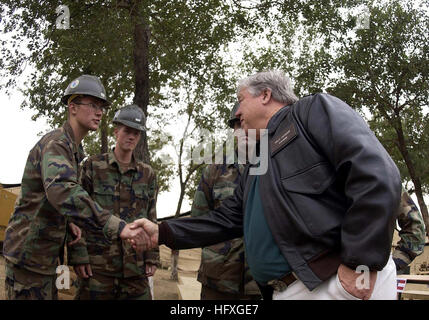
88 112
127 138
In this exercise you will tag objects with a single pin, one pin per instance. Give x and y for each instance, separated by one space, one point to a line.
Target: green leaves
382 71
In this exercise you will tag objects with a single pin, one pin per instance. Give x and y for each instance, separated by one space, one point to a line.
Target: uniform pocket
305 194
223 190
313 180
141 200
104 195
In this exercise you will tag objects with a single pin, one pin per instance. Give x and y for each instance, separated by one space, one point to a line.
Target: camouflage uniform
118 271
50 193
22 284
412 233
223 272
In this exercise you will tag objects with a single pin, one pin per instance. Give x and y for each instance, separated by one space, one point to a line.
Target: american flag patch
400 284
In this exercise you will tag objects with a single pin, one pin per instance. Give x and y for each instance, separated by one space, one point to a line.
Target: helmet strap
73 96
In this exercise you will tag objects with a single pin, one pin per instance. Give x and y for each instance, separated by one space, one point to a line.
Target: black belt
283 283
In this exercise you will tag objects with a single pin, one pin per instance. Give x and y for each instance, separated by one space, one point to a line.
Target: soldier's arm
66 195
78 253
412 233
151 257
203 199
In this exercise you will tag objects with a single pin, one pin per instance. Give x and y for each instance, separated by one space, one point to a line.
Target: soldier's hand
151 229
141 242
150 270
137 237
83 270
76 232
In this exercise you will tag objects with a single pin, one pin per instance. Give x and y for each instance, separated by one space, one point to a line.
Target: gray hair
276 81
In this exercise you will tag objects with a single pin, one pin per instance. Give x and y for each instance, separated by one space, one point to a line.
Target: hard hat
233 118
86 85
131 116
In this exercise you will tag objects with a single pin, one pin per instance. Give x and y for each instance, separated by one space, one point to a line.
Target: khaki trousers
331 289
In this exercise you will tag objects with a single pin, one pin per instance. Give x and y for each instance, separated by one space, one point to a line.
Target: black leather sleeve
372 180
221 224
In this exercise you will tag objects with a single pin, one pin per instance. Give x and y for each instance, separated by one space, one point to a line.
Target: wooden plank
186 293
415 294
188 288
415 278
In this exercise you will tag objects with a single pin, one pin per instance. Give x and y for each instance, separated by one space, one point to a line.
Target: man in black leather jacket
322 215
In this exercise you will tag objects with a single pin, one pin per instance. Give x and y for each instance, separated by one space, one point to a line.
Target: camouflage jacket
50 193
130 195
223 266
412 233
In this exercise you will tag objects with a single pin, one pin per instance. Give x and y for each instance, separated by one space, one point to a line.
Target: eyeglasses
92 105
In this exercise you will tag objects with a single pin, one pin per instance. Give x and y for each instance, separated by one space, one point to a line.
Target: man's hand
150 270
76 232
348 278
151 229
137 237
83 270
141 242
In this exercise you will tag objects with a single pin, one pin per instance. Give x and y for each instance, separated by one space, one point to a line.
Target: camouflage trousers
22 284
101 287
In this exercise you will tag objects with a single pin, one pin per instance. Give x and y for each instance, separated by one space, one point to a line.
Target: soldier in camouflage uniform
412 234
50 193
112 269
223 272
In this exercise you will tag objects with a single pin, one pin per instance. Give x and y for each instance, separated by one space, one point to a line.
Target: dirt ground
164 287
189 262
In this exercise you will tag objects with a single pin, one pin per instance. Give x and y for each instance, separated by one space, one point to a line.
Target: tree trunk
179 204
103 136
141 76
174 263
414 177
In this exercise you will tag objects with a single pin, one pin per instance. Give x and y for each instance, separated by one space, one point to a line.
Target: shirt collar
276 119
112 160
77 149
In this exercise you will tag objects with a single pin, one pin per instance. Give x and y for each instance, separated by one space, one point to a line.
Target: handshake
142 234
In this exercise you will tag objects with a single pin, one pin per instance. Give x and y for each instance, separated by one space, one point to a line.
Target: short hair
276 81
77 100
117 125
